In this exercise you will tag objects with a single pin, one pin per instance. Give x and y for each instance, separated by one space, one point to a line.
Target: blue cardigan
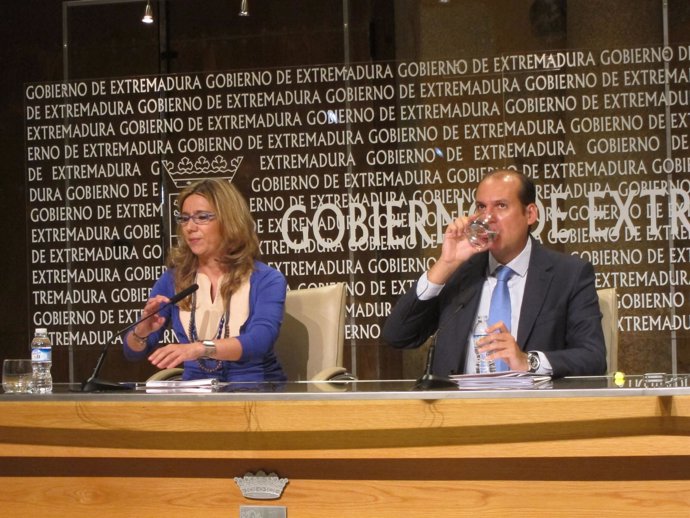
257 335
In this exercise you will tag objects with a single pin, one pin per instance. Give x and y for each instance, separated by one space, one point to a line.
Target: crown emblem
260 486
185 171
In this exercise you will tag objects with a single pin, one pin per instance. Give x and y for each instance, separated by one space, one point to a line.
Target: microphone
429 381
94 384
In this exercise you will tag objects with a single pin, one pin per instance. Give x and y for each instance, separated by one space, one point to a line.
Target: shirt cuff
426 289
544 364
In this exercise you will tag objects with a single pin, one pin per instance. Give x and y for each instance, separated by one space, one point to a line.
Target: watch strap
209 349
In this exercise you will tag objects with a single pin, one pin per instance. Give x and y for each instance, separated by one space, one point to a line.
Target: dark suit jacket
560 315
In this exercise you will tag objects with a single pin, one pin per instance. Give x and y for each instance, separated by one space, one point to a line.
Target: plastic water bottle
41 361
484 365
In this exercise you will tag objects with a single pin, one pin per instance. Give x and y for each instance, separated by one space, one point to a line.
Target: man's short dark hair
528 191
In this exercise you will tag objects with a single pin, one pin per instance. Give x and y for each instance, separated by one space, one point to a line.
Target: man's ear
532 213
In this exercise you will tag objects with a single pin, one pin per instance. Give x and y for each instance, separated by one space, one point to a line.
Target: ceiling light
148 13
244 8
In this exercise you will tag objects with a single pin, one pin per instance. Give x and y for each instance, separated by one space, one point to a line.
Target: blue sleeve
165 285
266 308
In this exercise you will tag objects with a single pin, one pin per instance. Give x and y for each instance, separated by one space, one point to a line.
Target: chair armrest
328 373
167 374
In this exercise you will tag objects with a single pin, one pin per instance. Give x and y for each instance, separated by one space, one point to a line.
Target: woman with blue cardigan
227 328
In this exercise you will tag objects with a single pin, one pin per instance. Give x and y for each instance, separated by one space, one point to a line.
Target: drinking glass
16 376
479 232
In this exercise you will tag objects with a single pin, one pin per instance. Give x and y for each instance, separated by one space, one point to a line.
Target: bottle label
41 354
483 365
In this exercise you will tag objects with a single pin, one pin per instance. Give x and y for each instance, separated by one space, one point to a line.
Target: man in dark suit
555 321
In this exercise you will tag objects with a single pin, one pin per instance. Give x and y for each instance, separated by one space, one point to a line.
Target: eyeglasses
199 218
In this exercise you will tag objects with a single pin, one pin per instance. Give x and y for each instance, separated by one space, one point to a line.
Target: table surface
570 387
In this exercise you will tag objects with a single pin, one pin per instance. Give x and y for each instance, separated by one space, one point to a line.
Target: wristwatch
209 349
533 362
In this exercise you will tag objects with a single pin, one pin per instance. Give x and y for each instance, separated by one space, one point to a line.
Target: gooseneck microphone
94 384
429 381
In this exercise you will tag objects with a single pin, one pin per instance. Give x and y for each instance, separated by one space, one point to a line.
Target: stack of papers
187 386
501 380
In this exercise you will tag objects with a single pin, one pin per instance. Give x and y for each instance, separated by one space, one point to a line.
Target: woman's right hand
154 323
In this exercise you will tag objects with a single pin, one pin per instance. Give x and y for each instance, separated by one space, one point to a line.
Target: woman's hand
154 323
173 355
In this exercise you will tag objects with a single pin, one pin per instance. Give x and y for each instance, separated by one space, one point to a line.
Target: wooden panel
331 415
454 457
184 497
351 428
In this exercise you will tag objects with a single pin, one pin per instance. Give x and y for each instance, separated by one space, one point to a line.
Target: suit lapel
539 277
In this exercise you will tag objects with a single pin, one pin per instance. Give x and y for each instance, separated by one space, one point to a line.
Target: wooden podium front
600 452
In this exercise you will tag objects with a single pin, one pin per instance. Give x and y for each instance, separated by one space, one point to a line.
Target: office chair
172 374
311 339
609 323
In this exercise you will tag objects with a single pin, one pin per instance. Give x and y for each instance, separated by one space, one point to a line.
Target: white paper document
200 385
501 380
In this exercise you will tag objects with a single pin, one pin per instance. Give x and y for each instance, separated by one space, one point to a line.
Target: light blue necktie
499 311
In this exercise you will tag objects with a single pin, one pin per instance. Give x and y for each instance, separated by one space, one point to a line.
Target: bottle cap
41 331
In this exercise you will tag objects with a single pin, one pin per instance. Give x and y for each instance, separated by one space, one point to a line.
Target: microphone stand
430 381
94 384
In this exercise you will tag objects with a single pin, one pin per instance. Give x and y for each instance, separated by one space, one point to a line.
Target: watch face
533 361
209 348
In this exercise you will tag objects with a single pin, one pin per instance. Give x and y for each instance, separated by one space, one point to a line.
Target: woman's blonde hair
240 242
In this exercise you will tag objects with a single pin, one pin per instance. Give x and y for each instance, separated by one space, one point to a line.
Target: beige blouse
209 312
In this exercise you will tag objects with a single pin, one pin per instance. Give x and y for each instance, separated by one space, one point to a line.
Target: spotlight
244 8
148 13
